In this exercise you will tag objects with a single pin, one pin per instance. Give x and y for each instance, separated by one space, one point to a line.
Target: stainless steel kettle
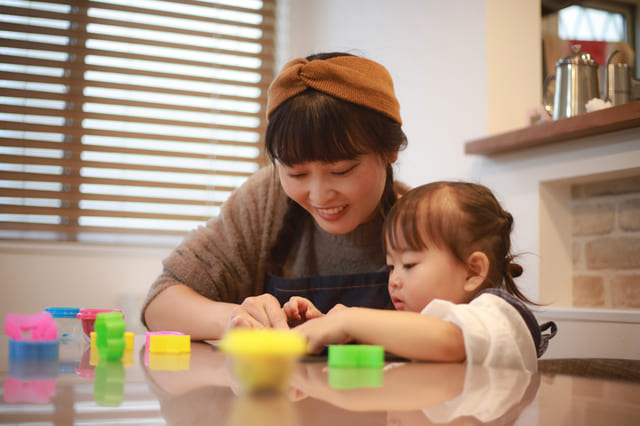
576 82
619 86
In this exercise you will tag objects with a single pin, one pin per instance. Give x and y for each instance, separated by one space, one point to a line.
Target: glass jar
70 337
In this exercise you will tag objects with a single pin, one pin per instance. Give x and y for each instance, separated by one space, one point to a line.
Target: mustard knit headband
350 78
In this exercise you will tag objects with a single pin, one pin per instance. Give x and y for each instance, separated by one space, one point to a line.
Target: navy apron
364 290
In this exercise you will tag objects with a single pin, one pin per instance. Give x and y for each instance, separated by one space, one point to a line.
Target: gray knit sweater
226 259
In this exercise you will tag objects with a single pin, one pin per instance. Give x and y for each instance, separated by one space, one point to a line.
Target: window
128 122
585 23
598 26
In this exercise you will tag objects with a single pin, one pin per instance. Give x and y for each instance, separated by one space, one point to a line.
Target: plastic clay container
69 327
263 359
168 342
32 337
88 317
33 350
355 366
369 356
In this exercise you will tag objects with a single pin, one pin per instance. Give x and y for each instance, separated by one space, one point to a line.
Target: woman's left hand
261 311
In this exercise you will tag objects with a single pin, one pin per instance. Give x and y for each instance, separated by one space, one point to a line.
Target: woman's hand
261 311
299 309
327 330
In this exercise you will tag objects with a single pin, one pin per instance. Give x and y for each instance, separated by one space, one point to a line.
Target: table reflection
198 388
400 394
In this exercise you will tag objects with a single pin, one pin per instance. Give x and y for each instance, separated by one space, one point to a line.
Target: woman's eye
344 172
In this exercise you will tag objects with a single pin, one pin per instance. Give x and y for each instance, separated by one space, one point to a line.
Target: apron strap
364 290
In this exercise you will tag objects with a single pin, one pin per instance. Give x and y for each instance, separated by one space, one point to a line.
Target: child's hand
328 330
299 309
337 308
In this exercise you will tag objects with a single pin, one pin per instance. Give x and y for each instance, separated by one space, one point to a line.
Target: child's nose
394 281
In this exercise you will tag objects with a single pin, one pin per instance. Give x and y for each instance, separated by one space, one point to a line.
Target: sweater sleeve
225 259
495 334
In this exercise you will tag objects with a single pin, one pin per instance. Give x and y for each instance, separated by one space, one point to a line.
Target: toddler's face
418 277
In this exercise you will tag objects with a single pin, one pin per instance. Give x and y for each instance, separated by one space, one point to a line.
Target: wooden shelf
620 117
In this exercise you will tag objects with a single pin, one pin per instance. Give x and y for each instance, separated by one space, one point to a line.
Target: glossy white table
198 389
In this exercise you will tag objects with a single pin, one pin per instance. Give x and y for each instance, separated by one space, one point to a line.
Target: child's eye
390 268
408 265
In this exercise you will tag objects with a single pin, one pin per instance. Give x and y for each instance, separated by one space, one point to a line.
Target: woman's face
341 195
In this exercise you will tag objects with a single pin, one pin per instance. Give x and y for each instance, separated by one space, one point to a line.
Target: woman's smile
331 213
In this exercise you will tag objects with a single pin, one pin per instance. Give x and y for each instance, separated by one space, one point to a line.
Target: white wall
36 276
438 54
462 69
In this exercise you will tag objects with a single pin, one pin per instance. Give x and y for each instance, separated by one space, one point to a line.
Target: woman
310 224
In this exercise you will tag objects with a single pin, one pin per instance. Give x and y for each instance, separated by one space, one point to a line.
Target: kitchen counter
619 117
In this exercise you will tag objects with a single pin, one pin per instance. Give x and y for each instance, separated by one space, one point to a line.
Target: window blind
128 122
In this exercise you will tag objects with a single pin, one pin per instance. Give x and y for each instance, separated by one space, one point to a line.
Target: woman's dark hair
314 126
459 217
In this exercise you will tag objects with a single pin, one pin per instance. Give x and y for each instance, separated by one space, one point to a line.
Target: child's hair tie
514 269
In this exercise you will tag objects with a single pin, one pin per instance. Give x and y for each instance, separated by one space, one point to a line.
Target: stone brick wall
606 244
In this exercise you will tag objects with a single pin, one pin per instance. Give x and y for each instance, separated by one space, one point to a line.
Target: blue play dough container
33 350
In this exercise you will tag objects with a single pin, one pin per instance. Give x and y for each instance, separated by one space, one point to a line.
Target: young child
451 281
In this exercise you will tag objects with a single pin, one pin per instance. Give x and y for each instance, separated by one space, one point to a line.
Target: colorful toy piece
129 339
127 357
110 339
35 327
263 359
32 337
88 317
355 366
169 342
370 356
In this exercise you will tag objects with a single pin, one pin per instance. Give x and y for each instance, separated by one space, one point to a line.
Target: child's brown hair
460 217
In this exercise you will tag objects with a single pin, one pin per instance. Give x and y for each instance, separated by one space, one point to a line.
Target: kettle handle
547 98
606 75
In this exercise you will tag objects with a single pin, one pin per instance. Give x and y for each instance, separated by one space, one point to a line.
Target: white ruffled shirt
495 333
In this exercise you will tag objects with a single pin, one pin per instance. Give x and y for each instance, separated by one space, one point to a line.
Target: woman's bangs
321 140
316 127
